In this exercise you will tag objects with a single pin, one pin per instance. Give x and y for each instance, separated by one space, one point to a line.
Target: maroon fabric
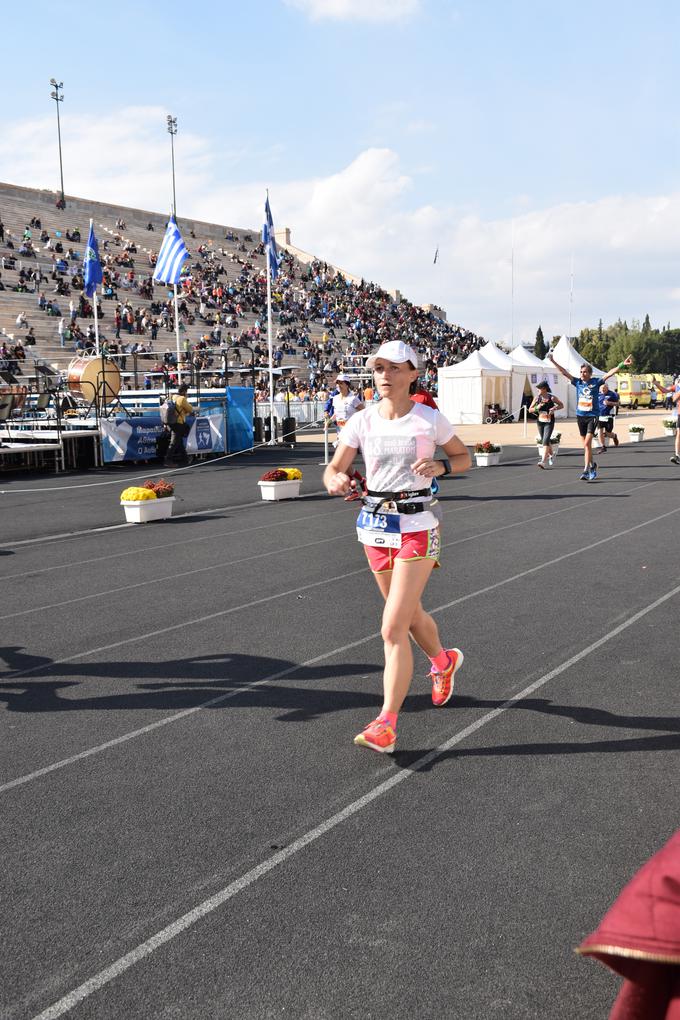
654 995
645 918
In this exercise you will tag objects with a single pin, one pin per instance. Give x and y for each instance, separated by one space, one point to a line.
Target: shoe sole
460 659
360 741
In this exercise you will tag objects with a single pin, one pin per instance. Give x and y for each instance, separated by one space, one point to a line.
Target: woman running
544 406
399 531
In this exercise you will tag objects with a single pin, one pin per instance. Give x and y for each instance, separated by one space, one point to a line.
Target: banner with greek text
133 439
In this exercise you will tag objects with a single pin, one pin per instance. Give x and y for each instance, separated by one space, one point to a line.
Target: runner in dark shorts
544 406
587 408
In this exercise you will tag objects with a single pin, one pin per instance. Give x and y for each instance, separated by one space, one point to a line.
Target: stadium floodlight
172 130
58 97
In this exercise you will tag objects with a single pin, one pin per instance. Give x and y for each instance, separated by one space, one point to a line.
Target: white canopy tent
520 385
571 360
540 371
466 390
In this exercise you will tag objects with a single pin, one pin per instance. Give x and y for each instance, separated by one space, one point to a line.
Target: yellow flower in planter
292 474
135 494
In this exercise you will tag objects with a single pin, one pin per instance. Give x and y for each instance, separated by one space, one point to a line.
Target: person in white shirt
345 403
397 525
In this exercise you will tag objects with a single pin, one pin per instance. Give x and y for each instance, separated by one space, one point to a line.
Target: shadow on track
668 740
184 683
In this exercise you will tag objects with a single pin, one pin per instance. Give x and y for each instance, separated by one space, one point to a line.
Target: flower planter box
140 511
636 437
280 490
487 459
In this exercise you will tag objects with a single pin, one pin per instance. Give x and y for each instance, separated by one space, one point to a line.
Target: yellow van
634 390
657 398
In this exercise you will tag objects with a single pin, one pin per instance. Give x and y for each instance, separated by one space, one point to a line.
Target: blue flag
92 270
171 256
268 240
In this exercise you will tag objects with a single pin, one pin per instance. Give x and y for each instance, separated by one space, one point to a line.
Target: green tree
646 326
540 347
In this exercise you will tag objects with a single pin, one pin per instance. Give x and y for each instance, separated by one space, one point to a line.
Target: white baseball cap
396 351
343 377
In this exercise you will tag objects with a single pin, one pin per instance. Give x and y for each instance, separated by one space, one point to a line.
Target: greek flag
268 240
171 256
92 270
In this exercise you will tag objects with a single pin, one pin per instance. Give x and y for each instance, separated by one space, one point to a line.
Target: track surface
188 831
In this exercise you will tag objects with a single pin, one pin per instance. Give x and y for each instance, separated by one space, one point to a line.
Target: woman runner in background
345 403
400 534
544 406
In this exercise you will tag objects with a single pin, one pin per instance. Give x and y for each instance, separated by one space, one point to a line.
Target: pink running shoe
379 736
442 683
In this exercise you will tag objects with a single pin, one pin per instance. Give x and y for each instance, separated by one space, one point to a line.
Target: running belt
407 501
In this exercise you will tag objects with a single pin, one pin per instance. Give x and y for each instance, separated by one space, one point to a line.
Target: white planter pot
636 437
280 490
487 459
139 511
669 432
555 450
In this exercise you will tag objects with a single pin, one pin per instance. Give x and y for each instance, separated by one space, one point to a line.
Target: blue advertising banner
133 439
240 400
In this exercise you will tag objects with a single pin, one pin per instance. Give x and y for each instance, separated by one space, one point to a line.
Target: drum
94 377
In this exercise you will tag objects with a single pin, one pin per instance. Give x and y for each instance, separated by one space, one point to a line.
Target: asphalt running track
187 830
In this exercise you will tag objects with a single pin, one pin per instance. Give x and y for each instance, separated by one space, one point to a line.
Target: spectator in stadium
177 455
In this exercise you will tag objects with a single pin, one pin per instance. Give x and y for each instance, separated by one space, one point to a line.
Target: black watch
447 468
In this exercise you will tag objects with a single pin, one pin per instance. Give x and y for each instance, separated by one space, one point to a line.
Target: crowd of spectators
325 319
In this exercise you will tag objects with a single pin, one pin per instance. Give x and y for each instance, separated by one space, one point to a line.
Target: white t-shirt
345 407
390 446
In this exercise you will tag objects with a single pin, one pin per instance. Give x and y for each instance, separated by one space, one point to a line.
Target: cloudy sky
384 129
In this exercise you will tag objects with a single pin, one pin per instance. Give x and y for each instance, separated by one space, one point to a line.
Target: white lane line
212 510
131 735
208 906
62 603
256 602
154 548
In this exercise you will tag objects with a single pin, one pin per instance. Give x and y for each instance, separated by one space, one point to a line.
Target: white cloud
124 152
356 10
363 218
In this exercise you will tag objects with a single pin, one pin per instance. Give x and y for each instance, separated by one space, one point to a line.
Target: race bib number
604 418
544 416
585 404
379 529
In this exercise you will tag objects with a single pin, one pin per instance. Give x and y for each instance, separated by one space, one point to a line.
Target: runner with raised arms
587 407
396 526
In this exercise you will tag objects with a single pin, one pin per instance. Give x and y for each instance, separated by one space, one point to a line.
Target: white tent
542 371
466 390
521 356
571 360
520 386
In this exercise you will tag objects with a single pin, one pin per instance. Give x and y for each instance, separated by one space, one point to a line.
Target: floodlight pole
56 86
172 131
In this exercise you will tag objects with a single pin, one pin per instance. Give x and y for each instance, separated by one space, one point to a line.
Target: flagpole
179 371
96 317
571 295
272 439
